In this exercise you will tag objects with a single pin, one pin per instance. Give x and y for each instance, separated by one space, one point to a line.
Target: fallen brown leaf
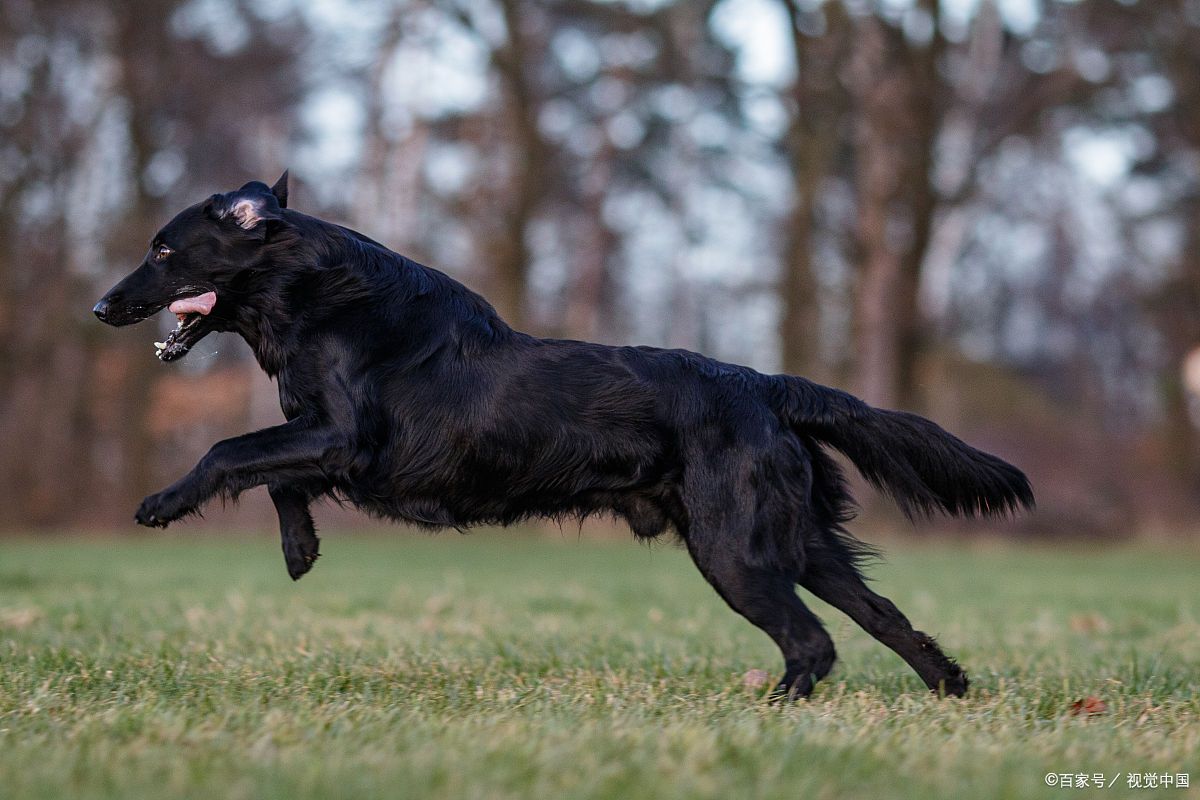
756 679
1088 623
18 618
1089 705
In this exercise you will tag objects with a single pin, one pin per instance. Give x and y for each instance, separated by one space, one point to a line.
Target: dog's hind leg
768 599
301 547
832 577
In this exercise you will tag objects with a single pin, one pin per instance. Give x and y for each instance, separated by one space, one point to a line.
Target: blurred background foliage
987 211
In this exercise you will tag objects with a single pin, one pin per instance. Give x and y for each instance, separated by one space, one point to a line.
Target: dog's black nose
101 310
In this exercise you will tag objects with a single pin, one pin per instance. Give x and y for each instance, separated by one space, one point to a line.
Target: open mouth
191 312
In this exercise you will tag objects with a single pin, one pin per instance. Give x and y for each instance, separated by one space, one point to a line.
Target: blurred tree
923 183
817 109
584 116
882 96
44 363
652 75
107 134
1159 92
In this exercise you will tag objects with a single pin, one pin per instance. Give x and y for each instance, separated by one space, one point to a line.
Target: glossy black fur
407 396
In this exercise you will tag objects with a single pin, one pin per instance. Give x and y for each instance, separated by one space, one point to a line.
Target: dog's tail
921 466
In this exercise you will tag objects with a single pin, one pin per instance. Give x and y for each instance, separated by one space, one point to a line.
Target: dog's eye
161 252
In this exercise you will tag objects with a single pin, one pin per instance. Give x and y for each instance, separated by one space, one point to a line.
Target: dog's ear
253 208
280 189
249 212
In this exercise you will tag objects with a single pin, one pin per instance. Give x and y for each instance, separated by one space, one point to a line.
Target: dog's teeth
160 346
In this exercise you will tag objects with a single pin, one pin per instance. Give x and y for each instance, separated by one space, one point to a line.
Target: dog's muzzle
101 310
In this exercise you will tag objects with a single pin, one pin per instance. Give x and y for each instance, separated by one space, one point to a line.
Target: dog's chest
296 395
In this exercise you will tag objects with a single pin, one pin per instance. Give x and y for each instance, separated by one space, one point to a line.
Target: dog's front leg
285 454
296 530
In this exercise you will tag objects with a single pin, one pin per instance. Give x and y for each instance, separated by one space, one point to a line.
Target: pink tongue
200 304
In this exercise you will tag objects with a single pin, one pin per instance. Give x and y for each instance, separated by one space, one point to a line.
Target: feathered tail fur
921 466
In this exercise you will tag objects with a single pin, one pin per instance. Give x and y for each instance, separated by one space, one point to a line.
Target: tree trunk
878 325
590 307
800 332
878 171
527 172
926 90
812 140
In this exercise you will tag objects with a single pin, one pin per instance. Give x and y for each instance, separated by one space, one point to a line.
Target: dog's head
195 264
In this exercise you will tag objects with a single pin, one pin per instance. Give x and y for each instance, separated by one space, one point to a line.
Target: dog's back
502 425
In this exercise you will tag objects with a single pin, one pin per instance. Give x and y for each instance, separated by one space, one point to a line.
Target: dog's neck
342 268
266 334
264 320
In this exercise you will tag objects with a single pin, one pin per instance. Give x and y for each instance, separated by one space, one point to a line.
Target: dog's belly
462 504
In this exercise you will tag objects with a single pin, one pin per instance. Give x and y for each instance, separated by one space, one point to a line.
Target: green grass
494 666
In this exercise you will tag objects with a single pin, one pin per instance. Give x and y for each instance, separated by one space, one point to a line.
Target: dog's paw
160 510
791 689
300 553
953 684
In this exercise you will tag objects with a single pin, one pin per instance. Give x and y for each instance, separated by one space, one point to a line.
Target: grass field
494 666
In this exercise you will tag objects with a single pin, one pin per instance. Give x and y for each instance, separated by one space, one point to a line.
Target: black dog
408 396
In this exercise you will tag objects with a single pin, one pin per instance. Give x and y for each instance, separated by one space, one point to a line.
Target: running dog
407 396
